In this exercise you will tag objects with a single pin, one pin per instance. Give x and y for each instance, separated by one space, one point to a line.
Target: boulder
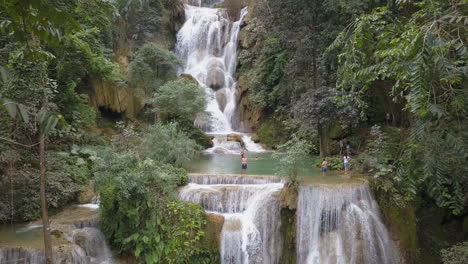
236 137
221 99
255 138
215 78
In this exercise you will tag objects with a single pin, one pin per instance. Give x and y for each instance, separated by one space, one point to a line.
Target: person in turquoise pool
244 163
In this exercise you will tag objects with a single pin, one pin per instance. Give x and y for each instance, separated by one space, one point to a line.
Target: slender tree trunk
324 141
45 214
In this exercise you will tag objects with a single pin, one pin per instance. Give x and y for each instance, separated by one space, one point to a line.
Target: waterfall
341 224
251 211
88 246
208 42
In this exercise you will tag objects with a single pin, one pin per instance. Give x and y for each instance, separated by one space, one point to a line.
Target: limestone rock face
215 224
251 38
121 100
236 138
288 198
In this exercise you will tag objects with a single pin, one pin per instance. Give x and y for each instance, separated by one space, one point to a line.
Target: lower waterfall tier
342 225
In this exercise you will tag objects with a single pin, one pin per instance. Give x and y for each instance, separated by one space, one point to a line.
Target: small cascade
221 145
88 246
341 224
251 211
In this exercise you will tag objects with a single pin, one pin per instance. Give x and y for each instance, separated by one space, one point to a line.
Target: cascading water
88 246
251 211
208 43
342 225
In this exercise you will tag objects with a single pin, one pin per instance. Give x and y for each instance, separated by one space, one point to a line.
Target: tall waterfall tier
251 211
341 224
208 43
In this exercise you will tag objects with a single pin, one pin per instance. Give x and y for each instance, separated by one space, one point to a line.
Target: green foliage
179 100
151 67
321 108
417 47
384 154
267 89
67 174
196 134
292 157
165 143
140 213
457 254
334 163
273 132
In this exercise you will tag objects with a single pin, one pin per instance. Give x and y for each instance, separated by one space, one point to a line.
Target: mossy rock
236 138
403 227
288 233
86 195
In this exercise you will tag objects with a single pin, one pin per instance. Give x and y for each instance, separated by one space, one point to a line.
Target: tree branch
11 141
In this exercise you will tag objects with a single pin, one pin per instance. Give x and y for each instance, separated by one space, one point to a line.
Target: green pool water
231 164
264 164
21 235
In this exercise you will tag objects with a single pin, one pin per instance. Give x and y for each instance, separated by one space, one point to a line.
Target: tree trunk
324 141
45 214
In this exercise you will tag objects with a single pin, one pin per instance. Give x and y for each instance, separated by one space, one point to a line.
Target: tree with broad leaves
320 109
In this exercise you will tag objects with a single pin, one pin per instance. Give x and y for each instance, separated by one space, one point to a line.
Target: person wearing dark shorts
244 163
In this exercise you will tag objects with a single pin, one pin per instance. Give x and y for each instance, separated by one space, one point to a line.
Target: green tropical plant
179 100
166 144
416 46
151 67
292 159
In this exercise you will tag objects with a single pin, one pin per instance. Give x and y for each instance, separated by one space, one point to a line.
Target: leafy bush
151 67
291 158
140 212
166 144
382 157
179 100
272 132
457 254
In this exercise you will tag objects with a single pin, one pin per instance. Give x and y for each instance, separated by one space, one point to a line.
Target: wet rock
214 226
215 78
288 198
236 138
86 195
255 138
221 99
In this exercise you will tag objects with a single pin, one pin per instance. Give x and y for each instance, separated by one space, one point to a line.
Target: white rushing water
341 225
251 211
208 43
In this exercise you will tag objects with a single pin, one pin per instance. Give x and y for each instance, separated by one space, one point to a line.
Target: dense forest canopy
90 94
